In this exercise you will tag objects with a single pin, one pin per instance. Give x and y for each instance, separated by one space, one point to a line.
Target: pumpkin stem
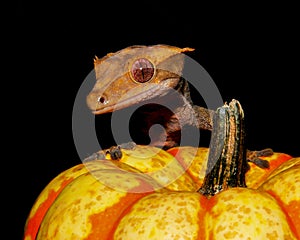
227 162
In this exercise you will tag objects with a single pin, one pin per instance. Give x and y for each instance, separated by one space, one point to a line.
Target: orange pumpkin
139 197
176 194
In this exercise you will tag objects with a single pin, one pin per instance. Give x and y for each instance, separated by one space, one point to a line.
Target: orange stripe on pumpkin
291 211
280 160
173 151
105 223
34 222
204 203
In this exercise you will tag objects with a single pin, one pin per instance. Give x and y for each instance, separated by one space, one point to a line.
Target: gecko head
133 75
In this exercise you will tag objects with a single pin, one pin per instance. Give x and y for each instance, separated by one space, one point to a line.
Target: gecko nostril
102 100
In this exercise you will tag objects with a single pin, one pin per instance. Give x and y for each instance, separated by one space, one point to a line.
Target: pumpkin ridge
205 204
283 207
33 223
129 200
123 206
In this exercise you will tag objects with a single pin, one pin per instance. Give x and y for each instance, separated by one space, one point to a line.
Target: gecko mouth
104 106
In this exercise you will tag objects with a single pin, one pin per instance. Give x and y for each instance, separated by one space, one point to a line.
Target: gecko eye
142 70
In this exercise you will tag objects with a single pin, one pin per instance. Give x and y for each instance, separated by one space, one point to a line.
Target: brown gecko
138 74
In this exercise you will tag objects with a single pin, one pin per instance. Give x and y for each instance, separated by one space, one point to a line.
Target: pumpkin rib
165 215
284 207
115 212
81 203
238 213
284 187
35 221
37 214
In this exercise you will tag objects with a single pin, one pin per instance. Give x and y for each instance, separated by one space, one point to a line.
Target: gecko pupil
142 70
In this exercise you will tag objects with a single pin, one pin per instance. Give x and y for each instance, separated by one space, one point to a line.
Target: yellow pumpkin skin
284 186
88 209
167 215
76 205
161 166
243 213
149 157
52 191
196 169
237 213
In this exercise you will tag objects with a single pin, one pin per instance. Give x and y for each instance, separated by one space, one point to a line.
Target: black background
250 51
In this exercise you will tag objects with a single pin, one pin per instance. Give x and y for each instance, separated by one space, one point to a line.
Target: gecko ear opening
142 70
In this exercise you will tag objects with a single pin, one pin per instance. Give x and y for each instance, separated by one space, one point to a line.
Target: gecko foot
115 151
254 157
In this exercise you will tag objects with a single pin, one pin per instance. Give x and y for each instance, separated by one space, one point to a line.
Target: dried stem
227 163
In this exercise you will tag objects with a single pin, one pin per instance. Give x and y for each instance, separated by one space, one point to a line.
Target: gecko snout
96 101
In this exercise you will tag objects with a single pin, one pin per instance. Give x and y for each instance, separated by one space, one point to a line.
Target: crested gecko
137 74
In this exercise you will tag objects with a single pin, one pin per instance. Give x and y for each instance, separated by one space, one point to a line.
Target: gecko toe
255 157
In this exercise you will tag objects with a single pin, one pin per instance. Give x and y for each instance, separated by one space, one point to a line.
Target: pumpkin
109 199
151 193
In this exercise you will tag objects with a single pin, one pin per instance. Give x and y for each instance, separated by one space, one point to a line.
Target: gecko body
146 74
